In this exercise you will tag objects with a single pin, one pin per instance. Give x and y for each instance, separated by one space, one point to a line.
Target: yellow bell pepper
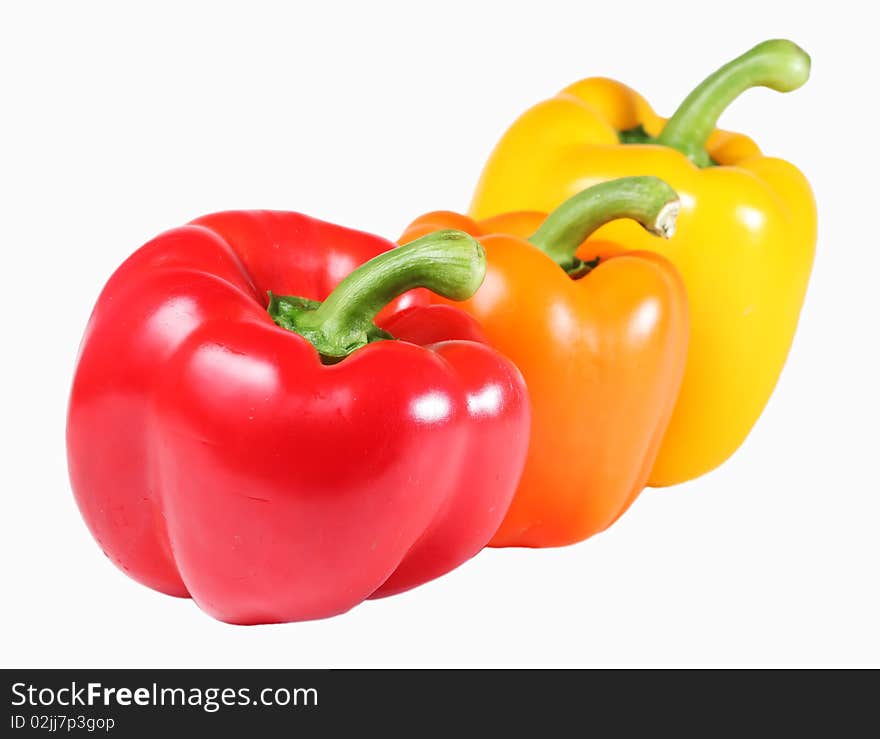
744 243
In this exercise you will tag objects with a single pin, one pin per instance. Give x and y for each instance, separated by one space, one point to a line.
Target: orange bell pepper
600 335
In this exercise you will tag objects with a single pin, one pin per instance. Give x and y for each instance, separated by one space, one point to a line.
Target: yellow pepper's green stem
779 64
449 263
648 200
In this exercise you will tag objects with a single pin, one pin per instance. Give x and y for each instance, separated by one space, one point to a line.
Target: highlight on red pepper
284 459
600 332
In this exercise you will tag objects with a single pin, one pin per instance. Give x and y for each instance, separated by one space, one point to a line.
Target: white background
119 122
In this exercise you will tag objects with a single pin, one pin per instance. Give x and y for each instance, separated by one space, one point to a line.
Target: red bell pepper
286 467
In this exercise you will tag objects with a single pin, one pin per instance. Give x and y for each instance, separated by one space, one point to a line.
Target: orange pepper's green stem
648 200
449 263
778 64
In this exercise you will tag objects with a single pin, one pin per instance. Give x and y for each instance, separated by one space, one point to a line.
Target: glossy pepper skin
744 244
218 455
602 353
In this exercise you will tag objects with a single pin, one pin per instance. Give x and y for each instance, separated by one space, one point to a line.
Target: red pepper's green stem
449 263
779 64
648 200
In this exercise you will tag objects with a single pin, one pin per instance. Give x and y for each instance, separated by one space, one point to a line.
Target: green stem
648 200
779 64
449 263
